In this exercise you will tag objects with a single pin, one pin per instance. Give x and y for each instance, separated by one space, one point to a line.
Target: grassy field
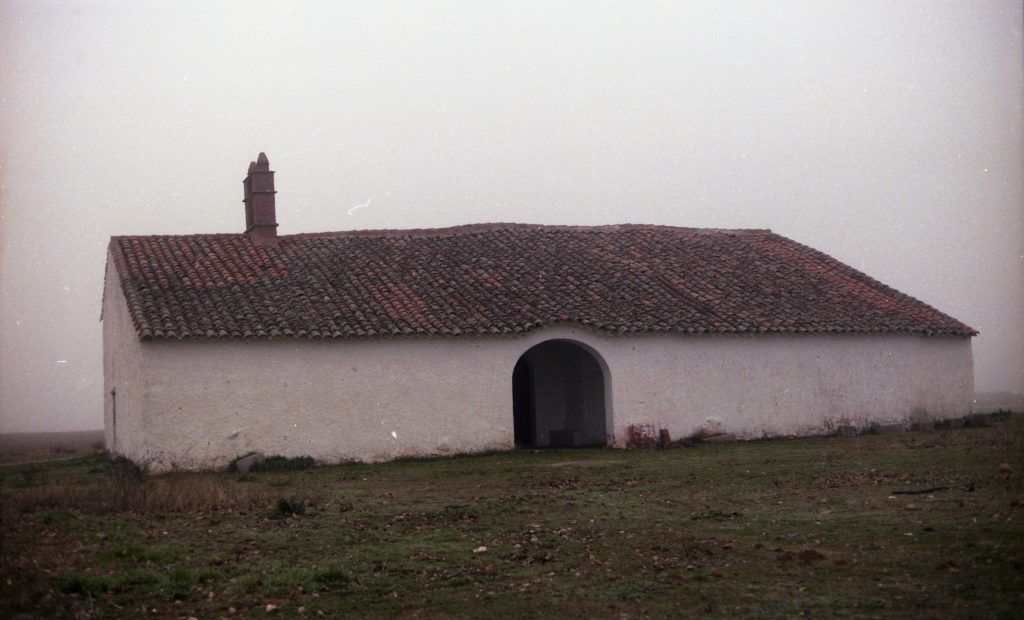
774 528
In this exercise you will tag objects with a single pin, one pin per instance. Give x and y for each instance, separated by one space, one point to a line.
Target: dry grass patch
126 490
184 493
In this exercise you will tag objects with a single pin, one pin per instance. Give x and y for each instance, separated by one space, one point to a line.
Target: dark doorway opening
558 398
522 402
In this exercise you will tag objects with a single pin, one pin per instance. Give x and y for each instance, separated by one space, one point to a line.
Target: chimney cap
262 163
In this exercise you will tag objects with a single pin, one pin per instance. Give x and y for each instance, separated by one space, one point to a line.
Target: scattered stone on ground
723 438
846 430
641 436
886 429
244 464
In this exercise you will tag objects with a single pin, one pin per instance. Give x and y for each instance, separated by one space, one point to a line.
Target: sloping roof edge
143 321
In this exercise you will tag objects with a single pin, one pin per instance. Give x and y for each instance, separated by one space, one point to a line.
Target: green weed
333 578
285 507
284 463
54 517
91 585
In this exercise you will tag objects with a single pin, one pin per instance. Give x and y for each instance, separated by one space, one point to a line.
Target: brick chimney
260 216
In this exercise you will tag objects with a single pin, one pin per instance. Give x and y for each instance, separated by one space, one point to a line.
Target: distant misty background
887 134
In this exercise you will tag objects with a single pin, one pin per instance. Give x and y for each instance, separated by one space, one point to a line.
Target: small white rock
480 549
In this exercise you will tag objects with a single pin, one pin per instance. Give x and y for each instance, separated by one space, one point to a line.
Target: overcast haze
887 134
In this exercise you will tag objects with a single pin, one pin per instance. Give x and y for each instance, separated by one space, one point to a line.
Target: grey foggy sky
887 134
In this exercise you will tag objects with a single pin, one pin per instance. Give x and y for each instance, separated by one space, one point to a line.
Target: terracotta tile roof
503 279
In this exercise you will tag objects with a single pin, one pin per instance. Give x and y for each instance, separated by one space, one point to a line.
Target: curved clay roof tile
501 279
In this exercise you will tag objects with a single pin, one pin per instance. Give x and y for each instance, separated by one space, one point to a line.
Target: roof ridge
487 227
188 236
466 229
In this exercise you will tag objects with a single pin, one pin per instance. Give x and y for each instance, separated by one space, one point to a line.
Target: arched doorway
558 397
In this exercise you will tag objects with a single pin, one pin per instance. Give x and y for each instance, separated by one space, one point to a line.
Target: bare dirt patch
587 463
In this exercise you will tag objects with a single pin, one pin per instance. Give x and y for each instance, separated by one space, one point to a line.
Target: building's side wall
122 376
789 385
210 401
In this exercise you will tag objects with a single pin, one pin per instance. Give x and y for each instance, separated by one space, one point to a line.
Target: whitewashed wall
368 400
122 373
789 385
206 402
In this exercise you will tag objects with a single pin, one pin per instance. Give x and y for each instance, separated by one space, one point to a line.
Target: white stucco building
370 345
